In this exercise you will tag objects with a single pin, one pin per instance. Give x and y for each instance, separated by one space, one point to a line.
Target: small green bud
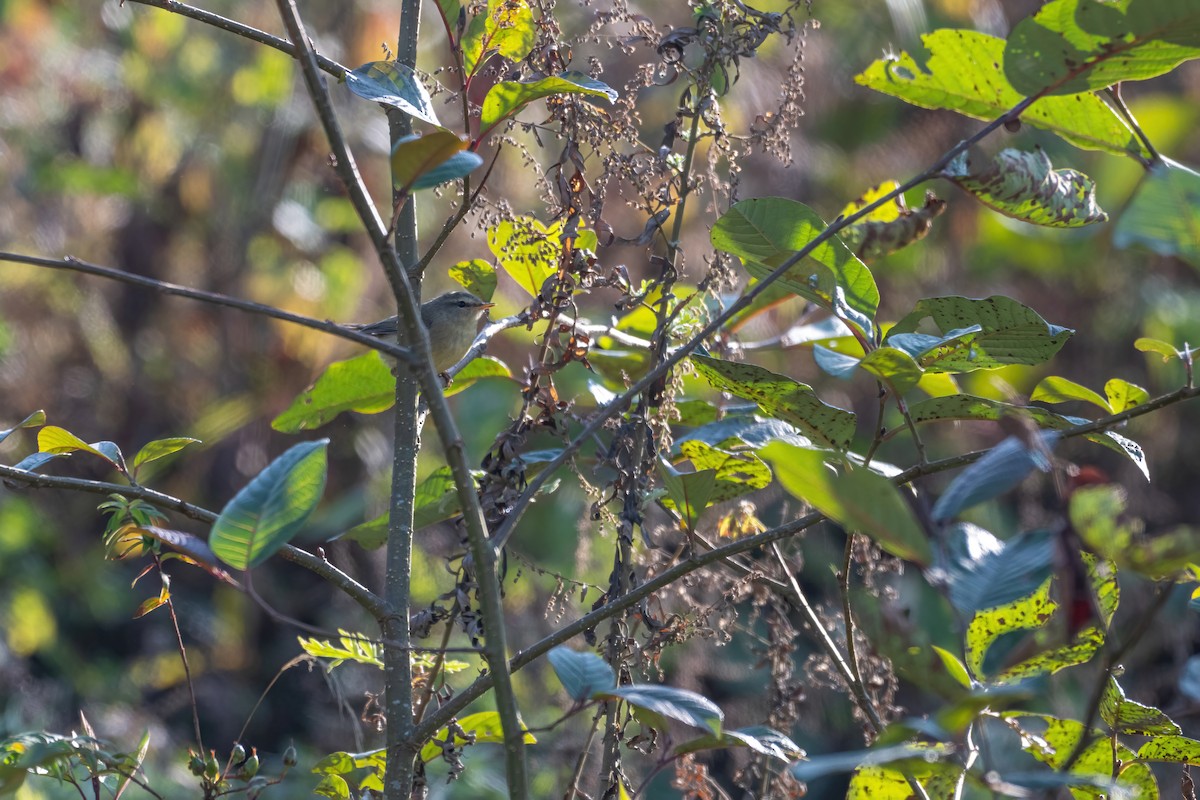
195 763
250 768
238 754
212 768
289 757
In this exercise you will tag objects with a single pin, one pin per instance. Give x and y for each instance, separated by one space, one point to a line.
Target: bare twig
370 602
215 298
240 29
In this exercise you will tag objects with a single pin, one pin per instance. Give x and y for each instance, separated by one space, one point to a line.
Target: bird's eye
462 303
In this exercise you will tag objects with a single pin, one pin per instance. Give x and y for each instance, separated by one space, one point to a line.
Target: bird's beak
488 305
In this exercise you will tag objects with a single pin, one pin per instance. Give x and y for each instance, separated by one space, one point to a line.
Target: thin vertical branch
408 305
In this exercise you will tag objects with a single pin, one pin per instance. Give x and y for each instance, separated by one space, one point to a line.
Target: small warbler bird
452 320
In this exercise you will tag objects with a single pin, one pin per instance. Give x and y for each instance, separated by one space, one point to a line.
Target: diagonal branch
215 298
372 603
240 29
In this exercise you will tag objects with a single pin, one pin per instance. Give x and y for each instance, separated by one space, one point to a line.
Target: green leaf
758 738
956 668
1127 716
1025 186
507 98
342 763
833 763
371 534
270 510
476 370
965 406
1008 333
1123 395
530 251
780 397
333 786
736 473
1164 214
364 384
856 498
423 161
1000 470
895 368
689 491
476 276
392 84
450 9
1055 742
1176 749
54 440
453 168
483 726
436 498
1080 651
938 779
964 72
986 627
1054 389
738 429
677 704
1072 46
839 365
764 232
583 675
32 421
890 227
892 366
1164 349
507 28
1102 579
161 448
351 647
1096 514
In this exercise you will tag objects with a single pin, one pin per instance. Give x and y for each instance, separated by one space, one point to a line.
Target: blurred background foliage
139 139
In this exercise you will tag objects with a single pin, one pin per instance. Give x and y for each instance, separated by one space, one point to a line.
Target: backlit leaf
1023 185
509 97
393 84
987 626
364 384
161 448
1054 389
964 72
483 726
476 276
1079 45
270 510
780 397
765 231
32 421
857 499
980 334
1127 716
506 27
